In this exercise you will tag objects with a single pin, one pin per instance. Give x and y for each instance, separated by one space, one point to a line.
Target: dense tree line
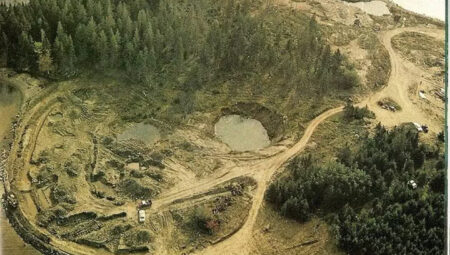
194 41
376 210
356 113
311 187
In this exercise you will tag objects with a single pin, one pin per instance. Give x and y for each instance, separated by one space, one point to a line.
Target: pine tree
91 39
43 49
114 51
71 57
59 54
103 49
25 51
4 44
59 50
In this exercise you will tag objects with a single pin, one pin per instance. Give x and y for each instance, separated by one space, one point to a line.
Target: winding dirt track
403 75
239 243
262 170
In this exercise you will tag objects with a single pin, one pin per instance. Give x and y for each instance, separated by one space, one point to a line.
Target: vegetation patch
132 189
420 49
380 68
356 113
374 192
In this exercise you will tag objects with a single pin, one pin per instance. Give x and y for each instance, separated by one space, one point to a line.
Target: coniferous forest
366 195
200 41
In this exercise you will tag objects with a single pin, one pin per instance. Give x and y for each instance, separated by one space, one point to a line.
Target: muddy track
261 169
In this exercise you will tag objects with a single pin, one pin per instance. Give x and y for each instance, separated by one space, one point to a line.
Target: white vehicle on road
141 215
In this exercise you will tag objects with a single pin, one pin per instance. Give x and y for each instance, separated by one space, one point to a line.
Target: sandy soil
405 74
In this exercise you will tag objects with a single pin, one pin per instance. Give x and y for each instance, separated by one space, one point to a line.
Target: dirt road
240 242
404 74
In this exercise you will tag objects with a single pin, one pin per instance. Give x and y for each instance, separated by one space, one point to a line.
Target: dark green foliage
136 238
200 221
63 193
400 222
437 184
441 136
184 42
311 187
378 212
132 189
356 113
45 217
395 153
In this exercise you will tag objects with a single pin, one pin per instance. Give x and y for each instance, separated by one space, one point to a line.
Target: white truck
141 216
419 128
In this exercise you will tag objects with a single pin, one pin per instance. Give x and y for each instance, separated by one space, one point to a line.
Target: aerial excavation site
221 127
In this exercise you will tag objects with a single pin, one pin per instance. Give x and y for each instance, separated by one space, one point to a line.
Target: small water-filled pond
377 8
241 134
146 133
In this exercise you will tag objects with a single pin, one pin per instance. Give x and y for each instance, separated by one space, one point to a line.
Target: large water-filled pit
241 134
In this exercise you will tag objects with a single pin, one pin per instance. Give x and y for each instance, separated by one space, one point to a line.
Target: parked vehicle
418 127
412 184
141 216
145 203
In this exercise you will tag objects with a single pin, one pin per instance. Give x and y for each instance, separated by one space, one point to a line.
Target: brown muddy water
242 134
146 133
10 242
